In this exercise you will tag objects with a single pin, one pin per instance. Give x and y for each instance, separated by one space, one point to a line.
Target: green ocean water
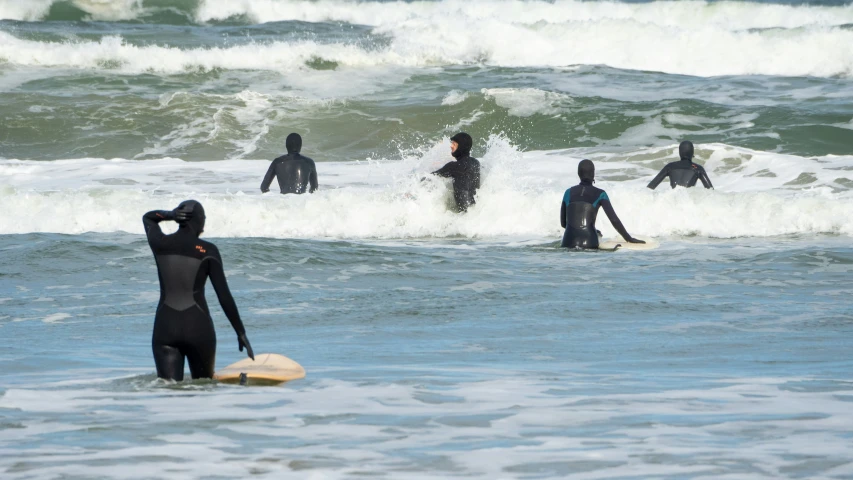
437 345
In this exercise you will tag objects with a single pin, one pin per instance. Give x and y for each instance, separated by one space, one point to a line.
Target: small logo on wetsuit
200 249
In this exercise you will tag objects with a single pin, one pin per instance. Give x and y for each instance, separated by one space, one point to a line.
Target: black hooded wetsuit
683 173
465 172
295 173
182 325
578 212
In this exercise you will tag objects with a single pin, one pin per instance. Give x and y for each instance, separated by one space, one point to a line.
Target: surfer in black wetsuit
580 208
296 173
683 173
182 325
465 171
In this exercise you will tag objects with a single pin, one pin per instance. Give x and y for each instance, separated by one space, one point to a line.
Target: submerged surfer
296 173
684 172
465 171
182 325
580 208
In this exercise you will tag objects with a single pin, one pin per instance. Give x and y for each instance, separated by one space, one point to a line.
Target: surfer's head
293 143
685 150
586 171
464 142
196 220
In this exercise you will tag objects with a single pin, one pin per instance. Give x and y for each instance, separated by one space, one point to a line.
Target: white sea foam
695 38
685 14
522 422
454 97
757 194
525 102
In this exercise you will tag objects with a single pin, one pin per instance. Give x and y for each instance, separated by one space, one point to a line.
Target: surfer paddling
683 173
580 208
182 325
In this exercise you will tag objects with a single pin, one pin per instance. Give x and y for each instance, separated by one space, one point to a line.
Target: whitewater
692 38
381 199
436 344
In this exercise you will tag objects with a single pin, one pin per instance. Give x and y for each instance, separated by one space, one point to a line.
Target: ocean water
436 344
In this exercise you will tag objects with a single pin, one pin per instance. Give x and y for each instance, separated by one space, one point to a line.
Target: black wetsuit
578 212
296 173
682 173
182 325
465 173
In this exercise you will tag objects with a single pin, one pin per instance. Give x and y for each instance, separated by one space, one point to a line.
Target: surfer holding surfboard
580 208
182 326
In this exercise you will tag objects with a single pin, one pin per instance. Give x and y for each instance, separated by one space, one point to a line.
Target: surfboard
619 243
265 369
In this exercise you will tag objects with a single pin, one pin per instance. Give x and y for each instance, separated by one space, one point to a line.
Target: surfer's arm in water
617 224
563 214
265 185
217 278
659 178
312 180
704 178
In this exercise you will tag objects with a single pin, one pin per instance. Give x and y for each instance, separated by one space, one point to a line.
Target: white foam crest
524 102
113 53
109 10
707 49
27 10
629 44
455 97
758 194
683 14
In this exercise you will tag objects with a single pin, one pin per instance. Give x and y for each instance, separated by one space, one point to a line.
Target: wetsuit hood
465 142
293 143
586 171
196 221
685 150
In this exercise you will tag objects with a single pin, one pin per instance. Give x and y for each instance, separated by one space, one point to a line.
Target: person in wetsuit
580 208
296 173
182 325
465 171
683 173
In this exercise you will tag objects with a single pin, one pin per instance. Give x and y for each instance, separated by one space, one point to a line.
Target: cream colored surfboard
611 243
266 368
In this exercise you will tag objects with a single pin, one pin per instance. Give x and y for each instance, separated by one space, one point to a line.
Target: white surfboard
611 243
265 369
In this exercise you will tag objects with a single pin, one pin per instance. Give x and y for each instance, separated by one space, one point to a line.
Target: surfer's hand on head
181 216
242 341
634 240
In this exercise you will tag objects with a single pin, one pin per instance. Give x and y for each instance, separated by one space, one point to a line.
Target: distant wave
693 38
688 14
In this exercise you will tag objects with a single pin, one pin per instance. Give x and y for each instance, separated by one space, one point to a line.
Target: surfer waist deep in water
465 171
295 172
579 210
683 173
